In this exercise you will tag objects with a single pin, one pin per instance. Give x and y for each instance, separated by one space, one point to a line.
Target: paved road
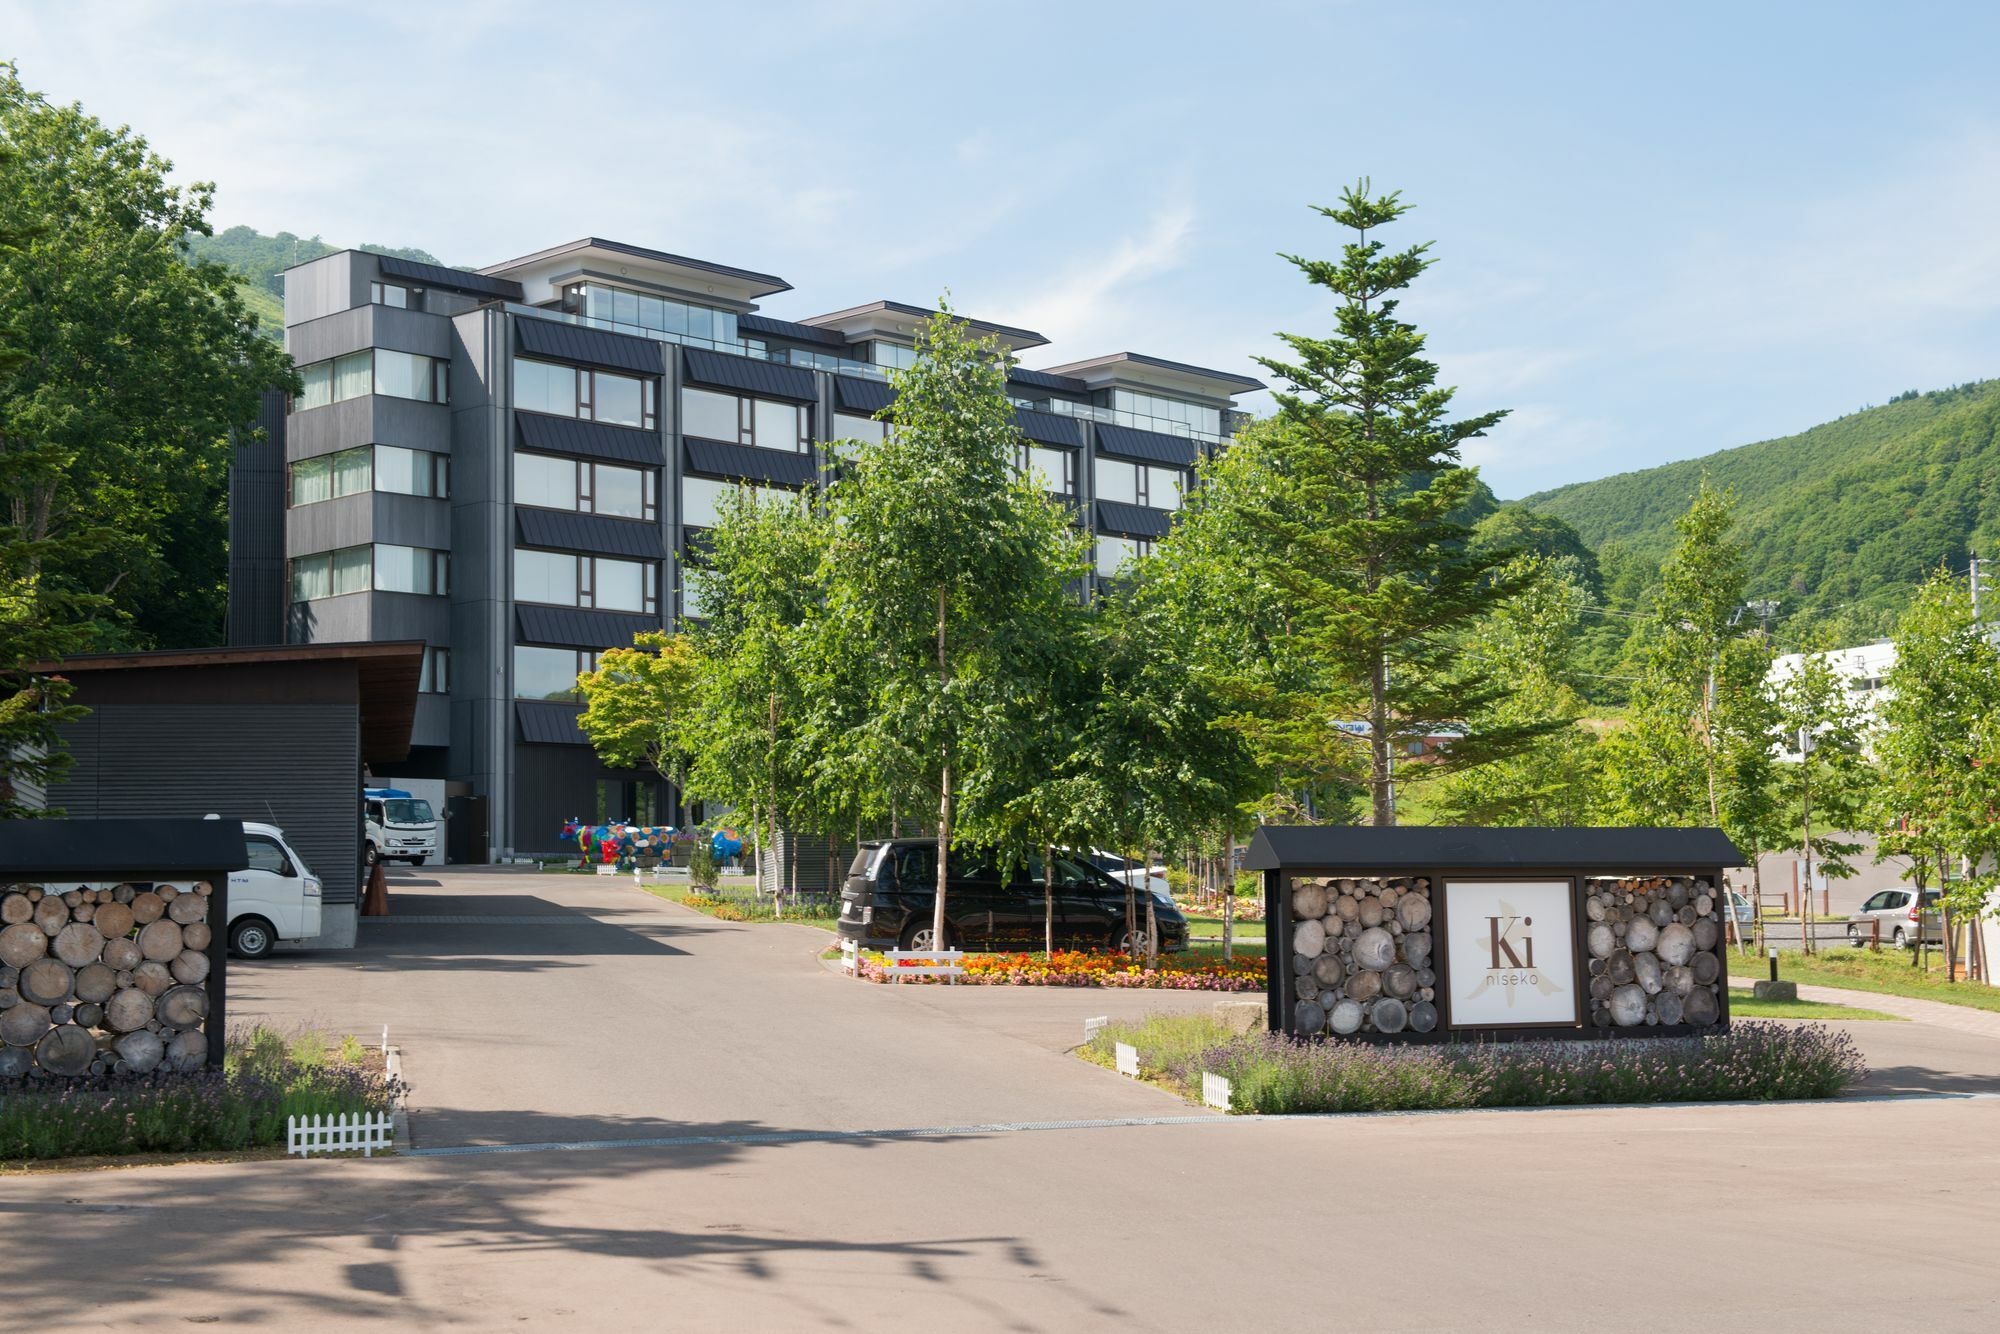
625 1018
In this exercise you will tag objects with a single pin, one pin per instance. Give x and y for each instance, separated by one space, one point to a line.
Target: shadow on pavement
274 1241
1918 1079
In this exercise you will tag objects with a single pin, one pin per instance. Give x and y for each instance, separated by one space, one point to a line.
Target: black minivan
890 898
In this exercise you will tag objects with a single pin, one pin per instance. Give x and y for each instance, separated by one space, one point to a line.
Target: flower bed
1278 1074
1093 968
268 1077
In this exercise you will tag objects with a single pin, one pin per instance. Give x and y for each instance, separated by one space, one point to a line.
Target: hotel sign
1511 953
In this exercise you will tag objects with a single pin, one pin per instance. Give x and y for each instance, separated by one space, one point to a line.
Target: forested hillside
259 260
1845 518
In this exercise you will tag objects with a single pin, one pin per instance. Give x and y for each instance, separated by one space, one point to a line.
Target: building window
550 673
1052 469
378 370
698 590
846 427
1114 553
547 482
893 354
579 391
390 294
409 472
435 677
1169 416
663 318
562 579
702 498
762 422
1137 484
412 570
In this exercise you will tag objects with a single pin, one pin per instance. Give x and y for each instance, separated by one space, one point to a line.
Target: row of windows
578 391
1138 484
1156 412
382 568
565 579
407 472
740 420
375 370
549 482
650 316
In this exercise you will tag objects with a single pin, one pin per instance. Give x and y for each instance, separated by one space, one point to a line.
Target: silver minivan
1901 918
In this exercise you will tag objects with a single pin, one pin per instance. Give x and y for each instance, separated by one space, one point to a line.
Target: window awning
1151 446
594 347
767 379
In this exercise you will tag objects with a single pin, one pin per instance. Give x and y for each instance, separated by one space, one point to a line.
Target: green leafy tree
1360 537
138 369
1531 640
1934 744
945 567
640 704
1826 791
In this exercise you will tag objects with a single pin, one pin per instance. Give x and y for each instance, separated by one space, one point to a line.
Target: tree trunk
1049 898
1228 882
1384 809
1131 911
944 788
1152 921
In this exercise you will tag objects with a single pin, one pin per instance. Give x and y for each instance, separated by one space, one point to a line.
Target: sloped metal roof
593 347
595 440
1426 848
1049 428
753 323
579 627
727 461
1151 446
457 280
1114 516
866 397
566 530
548 723
768 378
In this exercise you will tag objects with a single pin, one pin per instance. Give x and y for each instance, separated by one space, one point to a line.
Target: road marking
1116 1122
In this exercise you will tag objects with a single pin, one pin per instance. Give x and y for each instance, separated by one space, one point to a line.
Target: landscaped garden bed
1889 972
1093 968
267 1077
1278 1074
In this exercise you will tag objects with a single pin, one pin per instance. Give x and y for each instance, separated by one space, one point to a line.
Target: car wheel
1129 942
1854 935
370 857
251 938
919 936
1899 940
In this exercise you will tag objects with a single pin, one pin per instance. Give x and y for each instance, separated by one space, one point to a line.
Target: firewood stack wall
103 981
1653 948
1361 956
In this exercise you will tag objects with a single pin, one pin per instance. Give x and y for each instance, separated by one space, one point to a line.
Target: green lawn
725 911
1743 1005
1889 973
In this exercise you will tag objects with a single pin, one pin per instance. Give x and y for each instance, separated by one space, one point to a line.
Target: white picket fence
346 1133
948 964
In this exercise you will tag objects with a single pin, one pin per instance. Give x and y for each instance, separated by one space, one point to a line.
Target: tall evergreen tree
1360 537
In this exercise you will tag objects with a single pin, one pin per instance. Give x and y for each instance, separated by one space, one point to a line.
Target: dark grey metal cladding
145 756
592 347
763 325
368 326
1115 516
747 461
258 595
865 398
585 439
1421 848
369 516
567 530
458 280
579 627
1049 428
766 378
370 419
547 723
1151 446
432 725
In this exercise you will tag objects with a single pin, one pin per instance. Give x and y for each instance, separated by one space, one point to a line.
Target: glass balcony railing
752 348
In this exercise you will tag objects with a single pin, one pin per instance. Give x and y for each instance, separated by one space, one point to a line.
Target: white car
275 898
1152 879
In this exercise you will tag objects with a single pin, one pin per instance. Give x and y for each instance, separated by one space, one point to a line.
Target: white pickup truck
275 898
398 826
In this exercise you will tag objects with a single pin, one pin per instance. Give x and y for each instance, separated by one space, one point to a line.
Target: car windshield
408 810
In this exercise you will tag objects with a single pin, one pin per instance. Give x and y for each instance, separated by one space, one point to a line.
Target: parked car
889 901
1905 921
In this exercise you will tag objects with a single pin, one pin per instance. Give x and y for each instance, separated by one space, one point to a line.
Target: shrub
265 1079
703 873
1279 1074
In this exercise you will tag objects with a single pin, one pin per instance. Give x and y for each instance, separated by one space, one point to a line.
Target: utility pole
1764 609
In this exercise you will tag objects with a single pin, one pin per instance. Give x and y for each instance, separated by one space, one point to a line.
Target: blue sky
1663 229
